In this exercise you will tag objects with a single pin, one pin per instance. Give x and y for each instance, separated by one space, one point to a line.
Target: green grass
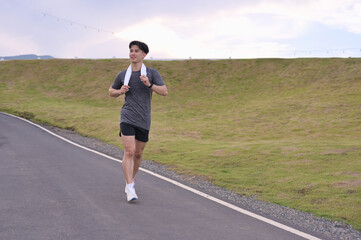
284 131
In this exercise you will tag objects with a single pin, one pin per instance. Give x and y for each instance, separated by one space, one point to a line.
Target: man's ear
144 54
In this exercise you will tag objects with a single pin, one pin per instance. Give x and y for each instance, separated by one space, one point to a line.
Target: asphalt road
50 189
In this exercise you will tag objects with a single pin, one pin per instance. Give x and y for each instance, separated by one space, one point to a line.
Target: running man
138 83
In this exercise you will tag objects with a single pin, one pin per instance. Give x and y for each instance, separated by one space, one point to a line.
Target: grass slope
285 131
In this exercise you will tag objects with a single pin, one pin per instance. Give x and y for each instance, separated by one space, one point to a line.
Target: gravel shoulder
325 228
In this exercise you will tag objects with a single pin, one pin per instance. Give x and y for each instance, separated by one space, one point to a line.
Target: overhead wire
65 20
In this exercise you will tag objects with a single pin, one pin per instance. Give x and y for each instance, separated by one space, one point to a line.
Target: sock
130 185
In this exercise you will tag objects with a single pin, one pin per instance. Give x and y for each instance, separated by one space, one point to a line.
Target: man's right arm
114 92
117 92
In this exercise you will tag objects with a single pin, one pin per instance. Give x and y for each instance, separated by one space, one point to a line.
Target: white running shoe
131 195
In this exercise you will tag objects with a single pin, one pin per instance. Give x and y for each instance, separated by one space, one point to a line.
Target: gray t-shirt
137 105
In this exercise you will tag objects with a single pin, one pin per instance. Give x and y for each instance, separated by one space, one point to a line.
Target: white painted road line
226 204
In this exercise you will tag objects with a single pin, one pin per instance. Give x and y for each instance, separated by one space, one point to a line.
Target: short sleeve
118 81
157 79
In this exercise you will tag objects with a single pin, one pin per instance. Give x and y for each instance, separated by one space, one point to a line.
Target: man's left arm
161 90
158 89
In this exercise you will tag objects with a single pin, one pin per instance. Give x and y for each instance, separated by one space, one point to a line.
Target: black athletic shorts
130 130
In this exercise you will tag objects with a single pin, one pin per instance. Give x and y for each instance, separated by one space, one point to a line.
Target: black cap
142 46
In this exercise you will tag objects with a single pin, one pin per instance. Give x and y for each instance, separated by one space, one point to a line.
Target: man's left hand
145 80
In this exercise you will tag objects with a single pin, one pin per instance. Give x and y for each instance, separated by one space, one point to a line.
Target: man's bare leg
128 157
139 148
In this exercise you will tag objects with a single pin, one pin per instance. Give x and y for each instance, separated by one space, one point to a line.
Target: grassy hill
286 131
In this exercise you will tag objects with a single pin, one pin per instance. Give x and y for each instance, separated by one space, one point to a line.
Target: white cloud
95 46
344 14
250 28
15 45
163 41
221 35
341 14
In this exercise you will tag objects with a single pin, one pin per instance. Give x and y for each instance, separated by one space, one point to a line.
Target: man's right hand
124 89
117 92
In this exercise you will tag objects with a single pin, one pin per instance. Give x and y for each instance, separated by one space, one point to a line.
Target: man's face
135 54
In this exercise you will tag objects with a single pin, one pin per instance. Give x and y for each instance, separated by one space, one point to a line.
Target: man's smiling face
136 55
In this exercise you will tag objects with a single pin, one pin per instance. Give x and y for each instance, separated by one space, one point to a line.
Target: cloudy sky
181 29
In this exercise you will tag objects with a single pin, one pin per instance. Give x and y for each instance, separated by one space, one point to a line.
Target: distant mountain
26 57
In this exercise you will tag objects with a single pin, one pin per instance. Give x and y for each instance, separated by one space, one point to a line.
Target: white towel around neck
143 71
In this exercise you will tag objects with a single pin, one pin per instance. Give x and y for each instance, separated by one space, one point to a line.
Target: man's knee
138 154
129 152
